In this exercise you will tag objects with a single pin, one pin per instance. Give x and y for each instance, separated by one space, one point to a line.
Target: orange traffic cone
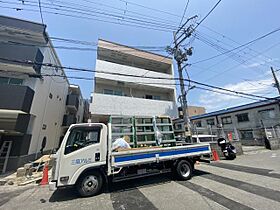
45 179
215 155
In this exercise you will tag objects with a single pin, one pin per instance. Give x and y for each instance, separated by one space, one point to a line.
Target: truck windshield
81 137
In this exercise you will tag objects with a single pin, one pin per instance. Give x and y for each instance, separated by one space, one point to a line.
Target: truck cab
83 148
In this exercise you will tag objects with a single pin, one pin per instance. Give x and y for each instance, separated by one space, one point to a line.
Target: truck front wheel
90 184
184 170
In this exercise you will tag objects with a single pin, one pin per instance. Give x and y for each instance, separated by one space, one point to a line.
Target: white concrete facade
123 83
48 106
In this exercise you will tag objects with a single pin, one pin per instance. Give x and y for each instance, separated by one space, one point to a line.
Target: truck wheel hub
90 183
185 171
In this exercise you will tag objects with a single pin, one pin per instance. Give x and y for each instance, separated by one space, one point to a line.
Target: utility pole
181 55
275 79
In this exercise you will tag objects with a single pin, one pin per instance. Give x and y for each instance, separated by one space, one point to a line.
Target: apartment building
250 123
75 106
32 105
122 85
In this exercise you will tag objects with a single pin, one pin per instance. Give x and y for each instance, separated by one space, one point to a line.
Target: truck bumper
52 185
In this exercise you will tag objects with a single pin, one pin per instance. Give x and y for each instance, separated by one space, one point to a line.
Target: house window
226 120
267 114
242 117
11 81
152 97
198 124
113 92
246 134
210 122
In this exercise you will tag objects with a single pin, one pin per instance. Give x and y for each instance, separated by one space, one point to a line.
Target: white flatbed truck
85 159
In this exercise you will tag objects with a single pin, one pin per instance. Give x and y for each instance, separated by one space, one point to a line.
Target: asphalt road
252 181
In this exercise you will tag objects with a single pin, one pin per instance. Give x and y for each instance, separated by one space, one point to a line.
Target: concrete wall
118 105
48 106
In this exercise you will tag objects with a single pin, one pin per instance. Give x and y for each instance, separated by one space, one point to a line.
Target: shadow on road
71 193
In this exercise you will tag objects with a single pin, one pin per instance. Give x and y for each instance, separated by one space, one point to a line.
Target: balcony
109 67
69 120
11 53
15 97
72 103
14 123
120 105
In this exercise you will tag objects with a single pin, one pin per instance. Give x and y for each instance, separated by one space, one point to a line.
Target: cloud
215 101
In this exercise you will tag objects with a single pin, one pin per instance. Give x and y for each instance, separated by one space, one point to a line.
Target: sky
231 24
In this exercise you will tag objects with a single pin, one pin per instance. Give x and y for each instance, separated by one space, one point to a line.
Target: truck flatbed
157 154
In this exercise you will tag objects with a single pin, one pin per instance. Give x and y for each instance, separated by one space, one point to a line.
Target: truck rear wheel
90 184
184 170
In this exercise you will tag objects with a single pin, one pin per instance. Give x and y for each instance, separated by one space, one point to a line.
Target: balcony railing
15 125
72 102
69 120
14 56
16 97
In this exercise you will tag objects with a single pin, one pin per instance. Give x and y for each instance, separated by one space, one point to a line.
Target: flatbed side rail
155 155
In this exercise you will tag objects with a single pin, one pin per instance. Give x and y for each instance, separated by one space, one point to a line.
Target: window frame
210 120
260 112
246 138
198 122
226 122
9 81
242 117
83 129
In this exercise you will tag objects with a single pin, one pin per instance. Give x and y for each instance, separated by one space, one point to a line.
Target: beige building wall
196 110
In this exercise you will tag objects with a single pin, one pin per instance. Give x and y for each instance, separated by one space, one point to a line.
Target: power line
232 40
159 49
62 5
132 20
186 7
150 8
136 76
139 83
208 14
154 26
240 46
40 9
229 94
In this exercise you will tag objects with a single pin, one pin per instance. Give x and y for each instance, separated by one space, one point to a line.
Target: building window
178 126
210 122
242 117
113 92
198 124
226 120
118 93
246 134
267 114
152 97
11 81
